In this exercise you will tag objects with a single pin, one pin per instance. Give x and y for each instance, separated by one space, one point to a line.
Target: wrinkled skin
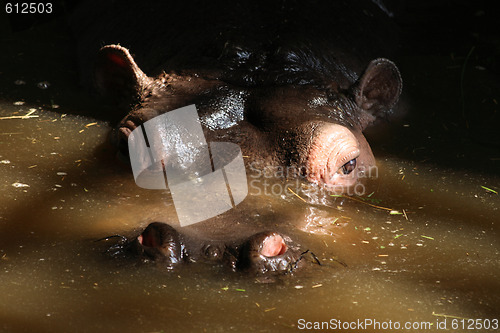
287 103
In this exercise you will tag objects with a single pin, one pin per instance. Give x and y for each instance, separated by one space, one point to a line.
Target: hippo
283 81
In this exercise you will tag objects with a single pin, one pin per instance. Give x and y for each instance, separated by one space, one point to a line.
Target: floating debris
226 288
489 189
20 185
26 116
298 196
427 237
43 85
19 82
448 316
18 103
362 200
4 162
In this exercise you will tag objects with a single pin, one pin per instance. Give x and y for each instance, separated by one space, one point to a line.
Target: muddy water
434 258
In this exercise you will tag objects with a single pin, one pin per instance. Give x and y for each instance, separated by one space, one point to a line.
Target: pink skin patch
333 146
273 245
117 60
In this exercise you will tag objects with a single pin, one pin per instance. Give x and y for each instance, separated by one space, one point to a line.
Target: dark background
448 54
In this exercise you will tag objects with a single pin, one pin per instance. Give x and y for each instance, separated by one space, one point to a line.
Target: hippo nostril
273 245
159 242
267 252
150 238
349 167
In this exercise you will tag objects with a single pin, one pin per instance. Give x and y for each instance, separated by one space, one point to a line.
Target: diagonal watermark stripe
170 150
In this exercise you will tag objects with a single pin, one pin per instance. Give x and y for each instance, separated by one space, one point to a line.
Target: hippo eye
349 167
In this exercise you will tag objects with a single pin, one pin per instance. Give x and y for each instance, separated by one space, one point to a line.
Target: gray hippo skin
294 85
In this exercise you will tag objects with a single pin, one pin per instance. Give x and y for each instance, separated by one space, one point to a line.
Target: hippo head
279 114
312 125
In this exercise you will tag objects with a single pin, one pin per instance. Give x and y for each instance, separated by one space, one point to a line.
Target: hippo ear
117 76
378 89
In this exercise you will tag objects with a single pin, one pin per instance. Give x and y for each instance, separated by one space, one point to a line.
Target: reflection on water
422 247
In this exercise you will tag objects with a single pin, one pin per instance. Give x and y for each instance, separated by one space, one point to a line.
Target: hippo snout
268 252
263 253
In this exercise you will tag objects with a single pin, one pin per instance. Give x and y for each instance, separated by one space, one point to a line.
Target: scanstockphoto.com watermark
280 180
442 324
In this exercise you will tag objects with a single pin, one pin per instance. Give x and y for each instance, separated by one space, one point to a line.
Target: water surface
434 258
